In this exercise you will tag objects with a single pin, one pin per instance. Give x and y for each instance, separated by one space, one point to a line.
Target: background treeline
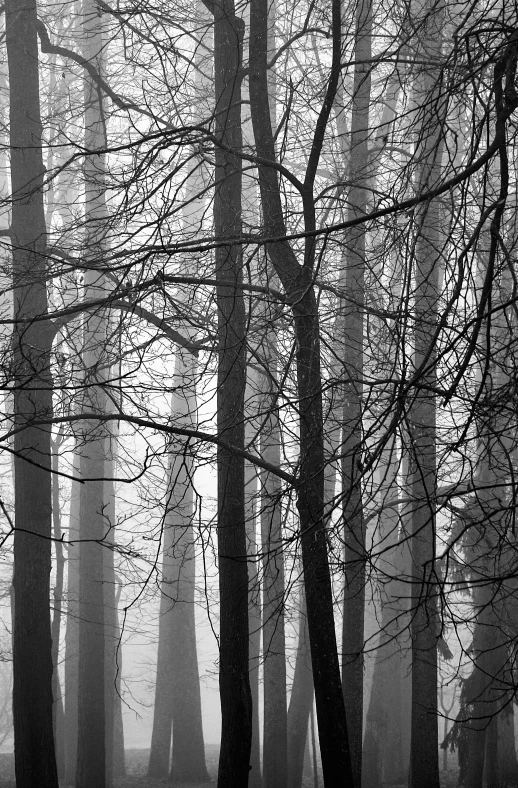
258 313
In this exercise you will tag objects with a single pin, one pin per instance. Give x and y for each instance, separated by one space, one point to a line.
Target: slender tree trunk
255 779
235 694
91 751
177 709
93 526
424 754
384 748
35 761
297 281
177 694
72 632
115 760
188 754
507 761
354 536
314 748
160 753
301 703
58 709
476 700
275 741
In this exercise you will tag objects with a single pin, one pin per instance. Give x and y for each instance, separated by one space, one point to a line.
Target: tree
93 526
384 165
177 691
424 762
301 702
297 282
35 761
352 439
72 631
236 701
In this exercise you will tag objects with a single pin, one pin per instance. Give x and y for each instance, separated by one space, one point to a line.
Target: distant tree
93 525
301 702
297 281
352 437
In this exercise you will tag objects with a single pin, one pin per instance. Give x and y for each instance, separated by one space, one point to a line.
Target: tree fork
298 283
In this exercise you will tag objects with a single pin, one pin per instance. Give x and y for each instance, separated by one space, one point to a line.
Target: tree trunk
424 754
235 694
255 779
354 536
160 753
177 709
177 693
301 703
384 757
58 709
188 755
275 741
297 281
93 526
507 761
115 760
91 750
35 761
72 632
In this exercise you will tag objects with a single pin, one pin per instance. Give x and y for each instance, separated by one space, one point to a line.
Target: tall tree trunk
275 738
235 694
93 527
354 536
188 754
35 761
384 757
177 692
91 750
297 281
72 631
255 779
58 710
160 753
424 758
115 760
177 709
301 703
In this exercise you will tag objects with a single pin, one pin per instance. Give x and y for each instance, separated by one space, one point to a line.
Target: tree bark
301 703
58 710
424 753
177 709
188 754
35 762
385 758
235 694
72 631
160 753
275 735
297 281
93 525
255 779
115 759
354 536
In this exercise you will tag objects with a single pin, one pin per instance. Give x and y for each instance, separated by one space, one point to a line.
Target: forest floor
136 766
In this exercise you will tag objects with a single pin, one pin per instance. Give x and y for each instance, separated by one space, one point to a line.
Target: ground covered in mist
136 766
137 761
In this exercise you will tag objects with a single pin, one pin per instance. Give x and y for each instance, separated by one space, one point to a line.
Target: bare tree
32 648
